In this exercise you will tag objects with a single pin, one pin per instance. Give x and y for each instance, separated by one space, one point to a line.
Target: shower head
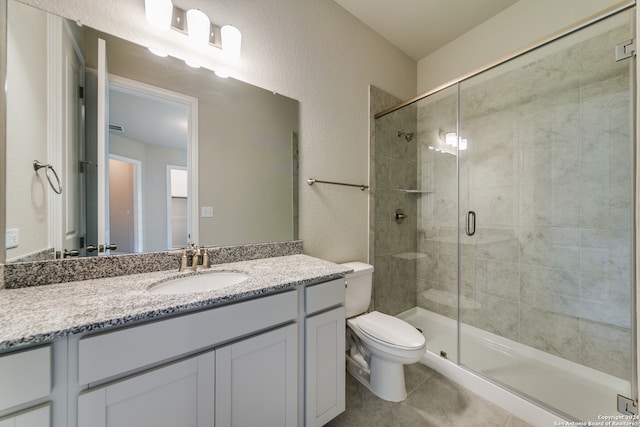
407 135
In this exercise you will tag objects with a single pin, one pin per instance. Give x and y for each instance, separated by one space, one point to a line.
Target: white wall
27 193
315 52
524 23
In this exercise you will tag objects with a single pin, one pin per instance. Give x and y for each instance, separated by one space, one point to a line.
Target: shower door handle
471 223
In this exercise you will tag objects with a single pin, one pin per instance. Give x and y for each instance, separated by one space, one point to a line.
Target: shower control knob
400 216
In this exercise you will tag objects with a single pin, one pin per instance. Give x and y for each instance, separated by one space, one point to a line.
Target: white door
71 141
256 381
96 149
103 149
325 367
180 394
66 76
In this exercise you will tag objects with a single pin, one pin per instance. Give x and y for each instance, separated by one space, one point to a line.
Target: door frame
125 84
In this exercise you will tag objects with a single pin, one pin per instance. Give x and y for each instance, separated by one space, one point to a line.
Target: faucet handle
206 262
184 261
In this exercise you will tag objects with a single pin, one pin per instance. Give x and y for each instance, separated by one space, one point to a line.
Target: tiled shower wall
393 167
548 173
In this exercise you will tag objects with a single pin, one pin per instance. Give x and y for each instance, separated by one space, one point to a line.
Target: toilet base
385 380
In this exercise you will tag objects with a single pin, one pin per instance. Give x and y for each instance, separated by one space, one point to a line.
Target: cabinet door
25 376
325 366
34 418
256 381
180 394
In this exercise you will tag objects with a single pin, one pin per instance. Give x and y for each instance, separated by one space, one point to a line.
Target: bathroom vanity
267 351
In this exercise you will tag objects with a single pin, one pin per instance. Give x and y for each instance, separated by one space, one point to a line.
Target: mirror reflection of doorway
177 209
148 125
124 204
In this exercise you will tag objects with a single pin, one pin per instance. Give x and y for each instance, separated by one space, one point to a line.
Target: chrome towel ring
39 165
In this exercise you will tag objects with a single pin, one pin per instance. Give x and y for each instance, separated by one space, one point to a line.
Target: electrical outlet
206 212
12 238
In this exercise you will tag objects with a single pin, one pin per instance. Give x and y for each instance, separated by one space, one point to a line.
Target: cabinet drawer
114 353
324 295
25 376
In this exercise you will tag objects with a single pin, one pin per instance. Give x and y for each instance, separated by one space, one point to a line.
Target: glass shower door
545 156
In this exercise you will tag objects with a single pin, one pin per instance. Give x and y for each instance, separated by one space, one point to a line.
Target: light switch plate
206 212
12 238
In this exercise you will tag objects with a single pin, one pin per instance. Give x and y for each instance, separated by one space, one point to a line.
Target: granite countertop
38 314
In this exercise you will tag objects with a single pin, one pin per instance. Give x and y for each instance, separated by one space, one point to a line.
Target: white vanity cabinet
234 365
25 388
324 352
179 394
274 360
256 380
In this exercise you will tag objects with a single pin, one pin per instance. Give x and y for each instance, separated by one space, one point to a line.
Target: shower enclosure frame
614 10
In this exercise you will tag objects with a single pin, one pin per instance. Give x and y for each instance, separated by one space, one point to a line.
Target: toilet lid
390 330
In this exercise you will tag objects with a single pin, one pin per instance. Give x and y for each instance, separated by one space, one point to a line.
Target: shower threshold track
568 387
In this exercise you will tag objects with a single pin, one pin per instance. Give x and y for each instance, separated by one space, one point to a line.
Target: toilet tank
358 290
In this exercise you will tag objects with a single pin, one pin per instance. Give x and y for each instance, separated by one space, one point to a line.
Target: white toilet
378 345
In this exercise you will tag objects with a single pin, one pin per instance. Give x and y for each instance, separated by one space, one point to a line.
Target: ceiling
419 27
148 119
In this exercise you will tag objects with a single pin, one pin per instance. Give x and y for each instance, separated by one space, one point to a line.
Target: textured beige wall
524 23
27 131
315 52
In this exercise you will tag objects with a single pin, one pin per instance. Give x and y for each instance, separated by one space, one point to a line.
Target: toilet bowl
379 345
386 344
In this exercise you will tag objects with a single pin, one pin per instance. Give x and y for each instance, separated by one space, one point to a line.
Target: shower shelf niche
404 190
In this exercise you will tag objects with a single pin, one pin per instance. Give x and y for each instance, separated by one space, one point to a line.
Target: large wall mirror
147 153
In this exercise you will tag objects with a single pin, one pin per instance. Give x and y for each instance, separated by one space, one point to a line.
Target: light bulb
198 25
451 139
192 64
231 41
158 13
158 52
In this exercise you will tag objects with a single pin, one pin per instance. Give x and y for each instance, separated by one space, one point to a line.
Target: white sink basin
199 283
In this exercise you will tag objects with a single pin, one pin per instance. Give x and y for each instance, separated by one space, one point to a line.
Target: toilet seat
390 330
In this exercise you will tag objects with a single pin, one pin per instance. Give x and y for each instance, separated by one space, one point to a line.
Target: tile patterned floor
432 401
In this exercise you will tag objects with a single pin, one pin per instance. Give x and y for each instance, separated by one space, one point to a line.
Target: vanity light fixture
452 139
162 14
